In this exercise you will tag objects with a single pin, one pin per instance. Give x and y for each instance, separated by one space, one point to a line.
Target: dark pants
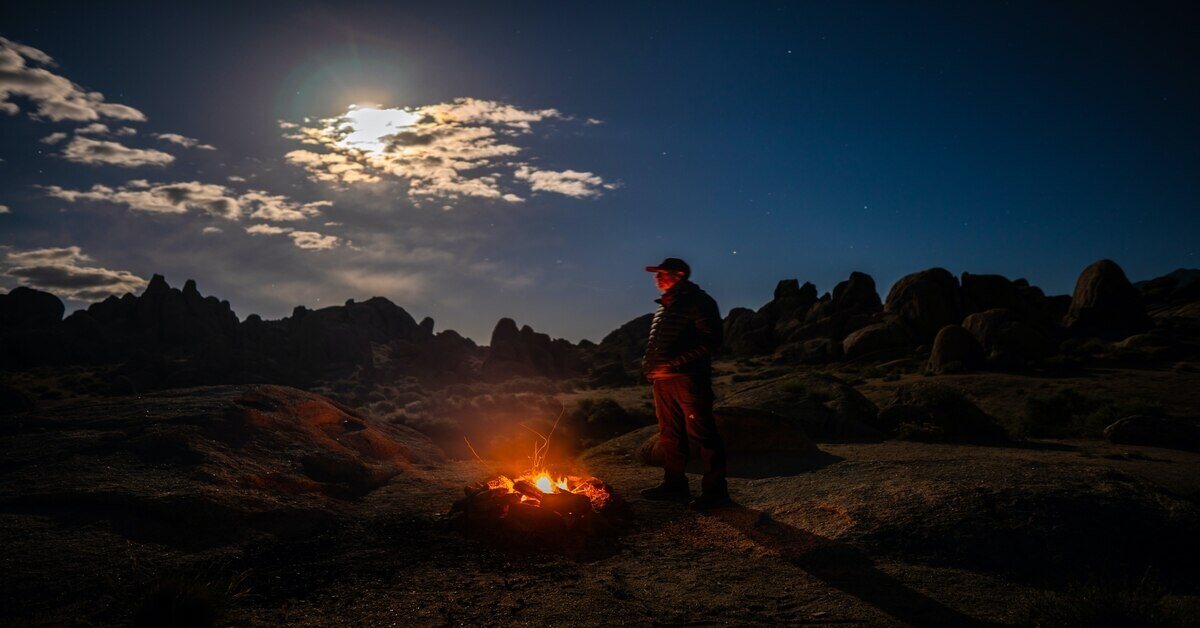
683 405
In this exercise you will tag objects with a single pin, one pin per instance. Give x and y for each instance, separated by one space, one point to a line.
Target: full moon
369 126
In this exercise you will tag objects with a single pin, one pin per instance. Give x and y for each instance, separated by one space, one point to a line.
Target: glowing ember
592 488
540 505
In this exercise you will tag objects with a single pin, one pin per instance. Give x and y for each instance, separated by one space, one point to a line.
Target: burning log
540 510
575 512
526 488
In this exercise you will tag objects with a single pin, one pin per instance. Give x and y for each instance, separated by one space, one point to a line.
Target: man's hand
657 371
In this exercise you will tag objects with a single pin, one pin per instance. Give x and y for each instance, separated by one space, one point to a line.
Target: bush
1069 414
199 599
799 388
604 418
871 372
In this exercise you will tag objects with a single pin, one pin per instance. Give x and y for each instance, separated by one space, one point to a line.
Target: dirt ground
812 548
892 533
775 559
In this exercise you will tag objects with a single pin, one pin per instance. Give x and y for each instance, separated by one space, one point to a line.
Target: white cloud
264 229
280 208
54 138
313 240
208 230
183 196
4 209
66 271
93 152
94 128
23 73
236 179
186 142
164 198
302 239
568 182
450 150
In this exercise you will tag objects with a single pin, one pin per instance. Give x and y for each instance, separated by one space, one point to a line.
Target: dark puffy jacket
685 332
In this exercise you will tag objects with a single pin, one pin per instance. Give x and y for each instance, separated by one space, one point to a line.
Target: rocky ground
267 505
965 451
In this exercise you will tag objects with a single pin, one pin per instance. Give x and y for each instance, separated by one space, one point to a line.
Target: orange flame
539 476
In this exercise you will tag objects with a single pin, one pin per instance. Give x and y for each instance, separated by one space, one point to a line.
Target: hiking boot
667 491
710 501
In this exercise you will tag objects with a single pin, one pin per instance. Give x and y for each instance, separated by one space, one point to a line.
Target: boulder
755 333
752 436
208 464
988 292
954 350
25 308
627 343
879 340
1105 304
447 353
856 294
828 409
742 337
934 412
926 301
526 353
815 351
1153 431
611 375
1008 341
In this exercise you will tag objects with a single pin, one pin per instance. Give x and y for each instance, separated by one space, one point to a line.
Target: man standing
685 333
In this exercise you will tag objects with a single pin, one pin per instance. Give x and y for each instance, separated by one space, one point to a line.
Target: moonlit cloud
567 182
453 150
103 152
163 198
264 229
302 239
210 230
53 138
280 208
68 272
183 196
186 142
23 73
94 128
313 240
4 209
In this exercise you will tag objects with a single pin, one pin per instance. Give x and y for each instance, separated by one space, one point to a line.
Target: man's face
666 278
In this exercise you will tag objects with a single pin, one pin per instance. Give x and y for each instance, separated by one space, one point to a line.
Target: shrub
799 388
871 372
604 418
1069 414
199 599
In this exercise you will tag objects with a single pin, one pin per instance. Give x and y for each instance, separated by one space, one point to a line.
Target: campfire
540 506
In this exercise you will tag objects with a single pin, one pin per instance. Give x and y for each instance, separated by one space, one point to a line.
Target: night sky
539 155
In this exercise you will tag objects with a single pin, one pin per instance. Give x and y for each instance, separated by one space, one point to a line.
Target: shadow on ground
843 567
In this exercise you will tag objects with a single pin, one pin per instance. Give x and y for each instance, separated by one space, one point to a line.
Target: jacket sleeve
707 321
